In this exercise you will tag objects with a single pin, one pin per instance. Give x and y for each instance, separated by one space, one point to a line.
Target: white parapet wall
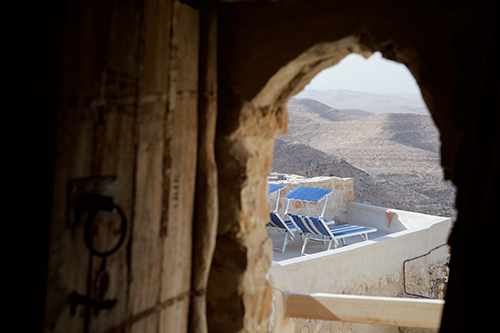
337 202
378 217
373 267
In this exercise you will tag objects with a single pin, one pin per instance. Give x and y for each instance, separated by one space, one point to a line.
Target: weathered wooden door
128 123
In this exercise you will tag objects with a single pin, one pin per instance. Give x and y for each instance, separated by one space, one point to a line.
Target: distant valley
393 156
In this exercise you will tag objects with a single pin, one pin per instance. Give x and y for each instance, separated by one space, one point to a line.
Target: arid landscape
393 156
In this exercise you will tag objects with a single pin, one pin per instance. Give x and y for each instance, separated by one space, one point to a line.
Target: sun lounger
311 227
314 226
276 220
288 226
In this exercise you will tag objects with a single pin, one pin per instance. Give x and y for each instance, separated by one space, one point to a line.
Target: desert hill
312 162
387 141
374 103
307 109
394 157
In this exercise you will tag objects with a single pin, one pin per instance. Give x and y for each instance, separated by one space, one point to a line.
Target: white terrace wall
374 267
337 201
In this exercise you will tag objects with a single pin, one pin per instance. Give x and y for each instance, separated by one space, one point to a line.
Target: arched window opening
247 149
365 120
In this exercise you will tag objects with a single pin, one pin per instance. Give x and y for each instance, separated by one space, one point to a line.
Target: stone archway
267 63
243 252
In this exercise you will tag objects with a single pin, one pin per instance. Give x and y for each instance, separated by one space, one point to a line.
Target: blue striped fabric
274 187
348 229
277 222
305 193
316 226
312 225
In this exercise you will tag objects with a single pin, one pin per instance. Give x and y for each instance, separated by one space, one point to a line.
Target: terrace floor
293 248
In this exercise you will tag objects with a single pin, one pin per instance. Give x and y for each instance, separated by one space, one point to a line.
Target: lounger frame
289 227
315 226
277 222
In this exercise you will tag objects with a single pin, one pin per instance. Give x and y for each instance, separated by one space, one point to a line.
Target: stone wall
336 208
427 276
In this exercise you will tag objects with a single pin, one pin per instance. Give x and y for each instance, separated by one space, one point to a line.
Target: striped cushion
348 229
310 224
277 222
316 226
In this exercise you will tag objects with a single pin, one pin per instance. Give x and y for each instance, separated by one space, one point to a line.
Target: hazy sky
375 75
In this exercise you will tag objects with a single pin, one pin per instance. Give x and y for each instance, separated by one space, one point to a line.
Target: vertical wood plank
206 208
146 245
68 256
182 139
115 152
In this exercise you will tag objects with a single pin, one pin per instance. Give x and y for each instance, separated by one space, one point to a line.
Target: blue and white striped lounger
288 226
311 226
277 222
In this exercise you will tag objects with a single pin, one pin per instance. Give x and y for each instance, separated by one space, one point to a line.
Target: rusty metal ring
87 236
